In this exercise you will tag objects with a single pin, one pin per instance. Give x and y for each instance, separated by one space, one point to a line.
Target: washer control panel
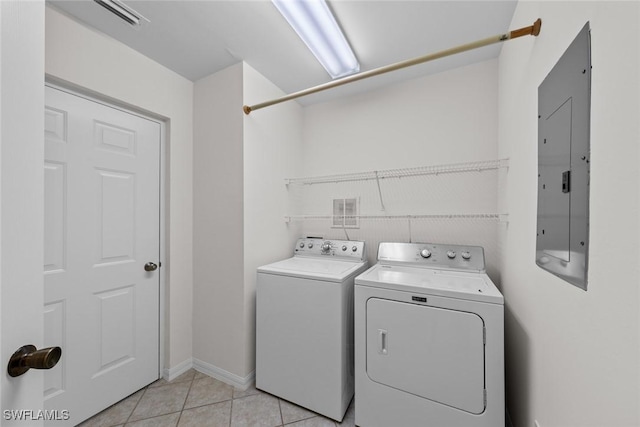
433 255
348 249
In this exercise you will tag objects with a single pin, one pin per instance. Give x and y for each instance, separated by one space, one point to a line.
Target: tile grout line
185 399
136 406
204 404
150 418
313 414
280 408
161 415
180 412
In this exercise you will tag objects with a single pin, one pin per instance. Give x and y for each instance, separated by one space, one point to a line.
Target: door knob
150 266
28 357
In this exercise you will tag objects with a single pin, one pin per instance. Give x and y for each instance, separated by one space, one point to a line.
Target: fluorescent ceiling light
122 11
318 29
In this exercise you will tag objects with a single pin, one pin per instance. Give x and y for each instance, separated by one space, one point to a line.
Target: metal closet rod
532 30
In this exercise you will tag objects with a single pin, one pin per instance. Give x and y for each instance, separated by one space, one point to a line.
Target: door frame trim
93 96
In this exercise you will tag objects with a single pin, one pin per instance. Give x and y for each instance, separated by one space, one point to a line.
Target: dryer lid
314 268
454 284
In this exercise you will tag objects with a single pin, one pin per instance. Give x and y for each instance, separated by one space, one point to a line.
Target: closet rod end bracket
536 27
246 109
532 30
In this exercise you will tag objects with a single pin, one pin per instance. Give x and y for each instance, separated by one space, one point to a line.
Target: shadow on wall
518 373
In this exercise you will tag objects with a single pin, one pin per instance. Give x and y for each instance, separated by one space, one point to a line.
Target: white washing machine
304 325
429 339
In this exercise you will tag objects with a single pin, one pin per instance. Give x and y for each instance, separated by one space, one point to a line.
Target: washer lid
454 284
314 268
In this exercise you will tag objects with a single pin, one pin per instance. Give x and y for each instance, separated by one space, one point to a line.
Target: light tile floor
197 400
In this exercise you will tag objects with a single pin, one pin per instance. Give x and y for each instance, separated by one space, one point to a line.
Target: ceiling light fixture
122 11
318 29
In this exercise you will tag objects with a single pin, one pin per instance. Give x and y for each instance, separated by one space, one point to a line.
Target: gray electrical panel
564 105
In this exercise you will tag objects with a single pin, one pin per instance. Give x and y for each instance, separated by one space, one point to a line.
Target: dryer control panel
433 255
345 249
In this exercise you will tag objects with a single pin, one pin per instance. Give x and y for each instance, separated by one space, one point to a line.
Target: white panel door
431 352
101 228
21 203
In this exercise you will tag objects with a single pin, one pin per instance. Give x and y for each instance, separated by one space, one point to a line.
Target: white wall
218 304
103 66
573 356
22 197
272 152
240 202
444 118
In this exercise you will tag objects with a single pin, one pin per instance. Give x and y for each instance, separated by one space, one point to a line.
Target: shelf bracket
379 191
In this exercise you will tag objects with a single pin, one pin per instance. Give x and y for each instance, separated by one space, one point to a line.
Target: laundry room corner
272 153
240 203
218 249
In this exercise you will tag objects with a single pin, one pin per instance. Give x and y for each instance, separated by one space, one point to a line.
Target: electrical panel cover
564 104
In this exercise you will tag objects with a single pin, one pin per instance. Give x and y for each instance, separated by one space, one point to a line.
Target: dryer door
434 353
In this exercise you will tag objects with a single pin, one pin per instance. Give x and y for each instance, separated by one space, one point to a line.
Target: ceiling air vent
122 11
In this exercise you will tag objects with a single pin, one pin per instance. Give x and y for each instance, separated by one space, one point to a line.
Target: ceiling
196 38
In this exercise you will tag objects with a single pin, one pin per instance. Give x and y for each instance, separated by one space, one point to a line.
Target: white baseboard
220 374
174 372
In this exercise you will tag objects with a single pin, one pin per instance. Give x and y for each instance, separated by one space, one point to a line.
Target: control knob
344 248
451 254
466 255
354 248
301 245
310 245
326 246
425 253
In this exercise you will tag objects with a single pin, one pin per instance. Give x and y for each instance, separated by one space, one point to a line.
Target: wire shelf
401 173
479 216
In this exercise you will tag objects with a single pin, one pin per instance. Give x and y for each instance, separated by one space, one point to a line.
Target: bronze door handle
28 357
150 266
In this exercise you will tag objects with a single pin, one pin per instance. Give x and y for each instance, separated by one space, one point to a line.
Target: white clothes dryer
429 339
304 325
